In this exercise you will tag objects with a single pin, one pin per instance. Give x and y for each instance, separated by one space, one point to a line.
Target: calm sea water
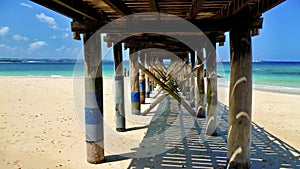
265 74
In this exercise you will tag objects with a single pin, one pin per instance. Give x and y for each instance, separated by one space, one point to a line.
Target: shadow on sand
196 150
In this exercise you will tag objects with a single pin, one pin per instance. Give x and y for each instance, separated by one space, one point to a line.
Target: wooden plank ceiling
211 16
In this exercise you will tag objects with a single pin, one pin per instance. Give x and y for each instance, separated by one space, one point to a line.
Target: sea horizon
282 76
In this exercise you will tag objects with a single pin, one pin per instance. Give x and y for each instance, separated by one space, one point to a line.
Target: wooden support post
93 98
200 86
175 96
119 88
124 73
142 81
240 100
147 80
192 89
187 83
151 70
134 82
212 96
154 84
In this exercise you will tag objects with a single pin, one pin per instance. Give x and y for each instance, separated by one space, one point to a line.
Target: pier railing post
240 99
93 98
212 96
119 88
134 82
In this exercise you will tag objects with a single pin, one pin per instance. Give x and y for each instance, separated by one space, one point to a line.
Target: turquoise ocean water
283 76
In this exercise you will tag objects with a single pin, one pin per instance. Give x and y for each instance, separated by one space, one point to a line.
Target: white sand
39 125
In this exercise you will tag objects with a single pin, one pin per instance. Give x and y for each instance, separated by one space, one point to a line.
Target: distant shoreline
264 88
34 60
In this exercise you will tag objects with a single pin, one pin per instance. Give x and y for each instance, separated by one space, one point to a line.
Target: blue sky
28 30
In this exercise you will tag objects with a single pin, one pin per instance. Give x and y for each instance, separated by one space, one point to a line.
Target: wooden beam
119 6
153 5
175 96
60 9
195 9
82 26
163 26
262 6
75 10
236 6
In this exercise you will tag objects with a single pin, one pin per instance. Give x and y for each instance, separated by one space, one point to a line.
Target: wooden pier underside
211 16
242 18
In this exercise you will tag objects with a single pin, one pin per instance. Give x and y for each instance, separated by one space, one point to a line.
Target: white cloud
36 45
4 30
53 37
47 19
18 37
65 35
61 48
7 47
25 5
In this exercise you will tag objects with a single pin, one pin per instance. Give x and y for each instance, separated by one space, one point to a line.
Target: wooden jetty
242 18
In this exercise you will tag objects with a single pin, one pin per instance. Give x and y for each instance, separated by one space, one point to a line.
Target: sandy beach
41 125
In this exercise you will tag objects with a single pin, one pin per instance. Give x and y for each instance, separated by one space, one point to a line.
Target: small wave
56 76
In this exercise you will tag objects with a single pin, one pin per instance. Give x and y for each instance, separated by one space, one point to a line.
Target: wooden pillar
192 89
240 99
151 70
147 79
182 72
187 83
212 96
124 73
154 66
134 82
142 81
93 98
119 88
200 86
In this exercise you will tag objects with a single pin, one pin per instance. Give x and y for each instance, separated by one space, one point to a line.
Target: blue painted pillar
93 98
142 81
147 80
134 82
119 88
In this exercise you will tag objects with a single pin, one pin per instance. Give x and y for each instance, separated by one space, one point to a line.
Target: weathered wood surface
200 86
142 86
134 82
147 80
170 91
93 98
119 88
212 96
192 80
240 100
